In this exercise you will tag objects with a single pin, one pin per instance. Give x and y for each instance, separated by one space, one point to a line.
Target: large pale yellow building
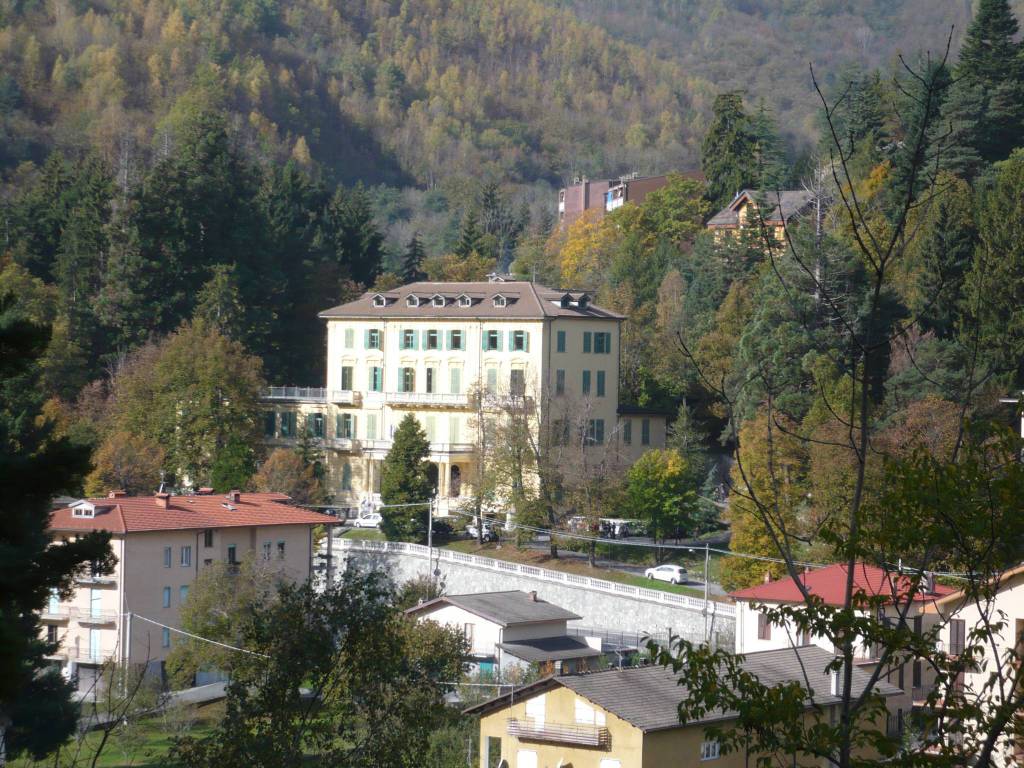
628 718
425 348
162 543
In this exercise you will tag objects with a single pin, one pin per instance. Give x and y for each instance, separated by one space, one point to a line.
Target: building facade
162 543
604 196
781 208
453 354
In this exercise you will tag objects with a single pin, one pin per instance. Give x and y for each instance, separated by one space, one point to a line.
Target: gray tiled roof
503 608
550 649
790 201
648 697
525 301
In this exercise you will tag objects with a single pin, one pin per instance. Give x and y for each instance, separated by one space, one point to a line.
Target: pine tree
411 261
769 151
405 480
728 151
358 241
471 237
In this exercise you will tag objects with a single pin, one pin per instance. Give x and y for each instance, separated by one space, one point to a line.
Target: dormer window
437 300
565 301
83 509
412 301
465 301
500 301
582 301
379 301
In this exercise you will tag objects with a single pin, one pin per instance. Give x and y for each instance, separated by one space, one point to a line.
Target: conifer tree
471 236
728 149
405 480
411 260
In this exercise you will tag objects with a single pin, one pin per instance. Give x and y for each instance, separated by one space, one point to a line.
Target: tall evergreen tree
412 258
36 708
358 241
404 479
728 150
471 236
769 151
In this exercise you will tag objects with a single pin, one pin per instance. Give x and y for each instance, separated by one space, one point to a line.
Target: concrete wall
596 609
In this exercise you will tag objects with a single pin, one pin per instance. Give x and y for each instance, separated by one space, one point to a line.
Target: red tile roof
829 584
130 514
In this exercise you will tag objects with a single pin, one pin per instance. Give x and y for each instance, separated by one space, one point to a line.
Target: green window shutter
586 341
492 380
645 431
366 338
499 341
627 432
371 426
483 340
511 340
354 420
423 339
561 341
599 432
339 430
455 374
526 341
450 335
586 382
600 383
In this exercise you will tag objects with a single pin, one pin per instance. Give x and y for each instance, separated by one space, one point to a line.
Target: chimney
117 494
533 596
234 496
163 500
834 682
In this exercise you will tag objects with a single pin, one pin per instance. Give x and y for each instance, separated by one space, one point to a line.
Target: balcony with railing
96 618
558 733
427 399
55 614
96 580
87 655
311 395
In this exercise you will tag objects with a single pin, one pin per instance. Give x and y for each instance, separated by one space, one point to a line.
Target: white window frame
710 750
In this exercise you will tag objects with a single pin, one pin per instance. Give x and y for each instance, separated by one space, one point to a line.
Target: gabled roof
648 697
505 609
783 206
829 584
953 601
526 300
557 648
133 514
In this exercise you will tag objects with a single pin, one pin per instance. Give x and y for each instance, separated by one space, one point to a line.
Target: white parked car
674 574
489 533
371 520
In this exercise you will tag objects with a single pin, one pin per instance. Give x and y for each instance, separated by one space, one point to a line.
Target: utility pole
430 539
707 564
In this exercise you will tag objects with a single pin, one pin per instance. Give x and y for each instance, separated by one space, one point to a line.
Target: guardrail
95 617
310 395
426 398
558 733
714 608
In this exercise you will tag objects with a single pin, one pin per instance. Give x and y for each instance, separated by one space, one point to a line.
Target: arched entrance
455 481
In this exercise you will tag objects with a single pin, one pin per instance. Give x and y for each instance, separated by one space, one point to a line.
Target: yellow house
425 348
628 718
782 208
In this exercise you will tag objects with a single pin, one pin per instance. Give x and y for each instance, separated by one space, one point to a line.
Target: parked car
673 574
371 520
489 534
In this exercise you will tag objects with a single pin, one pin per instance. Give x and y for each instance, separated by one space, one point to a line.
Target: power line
198 637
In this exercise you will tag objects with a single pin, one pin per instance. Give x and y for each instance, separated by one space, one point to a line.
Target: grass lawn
371 534
542 559
147 746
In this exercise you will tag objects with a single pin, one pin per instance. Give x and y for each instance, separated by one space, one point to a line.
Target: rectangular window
208 538
183 593
346 378
433 338
645 431
314 425
346 476
585 389
430 427
587 341
266 550
764 627
371 426
431 379
600 383
408 339
560 341
710 750
166 602
269 424
520 341
595 431
280 550
627 432
51 634
454 433
492 340
602 343
373 338
455 381
916 674
493 756
288 424
165 638
376 378
350 335
95 602
167 557
560 432
232 554
186 556
346 426
492 381
407 379
559 382
455 340
517 383
957 636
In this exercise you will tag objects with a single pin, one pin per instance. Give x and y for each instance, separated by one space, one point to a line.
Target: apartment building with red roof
754 632
162 543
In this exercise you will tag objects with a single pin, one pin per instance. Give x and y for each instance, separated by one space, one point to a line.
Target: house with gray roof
776 208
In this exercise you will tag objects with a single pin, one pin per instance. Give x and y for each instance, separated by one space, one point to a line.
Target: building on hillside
754 632
508 630
783 208
428 348
1000 614
162 543
605 196
628 718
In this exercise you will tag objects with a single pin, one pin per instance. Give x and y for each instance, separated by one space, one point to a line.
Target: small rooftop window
379 301
438 300
83 509
500 301
465 301
412 300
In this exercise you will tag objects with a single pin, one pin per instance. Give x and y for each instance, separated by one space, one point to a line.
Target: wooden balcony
557 733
